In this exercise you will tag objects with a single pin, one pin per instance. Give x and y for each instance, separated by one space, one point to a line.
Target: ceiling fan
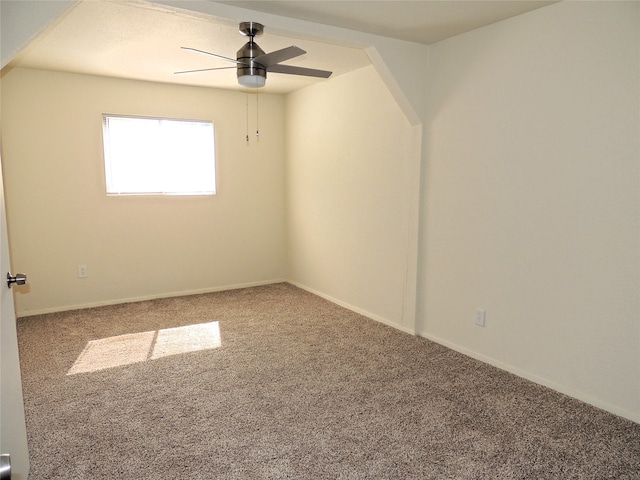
252 63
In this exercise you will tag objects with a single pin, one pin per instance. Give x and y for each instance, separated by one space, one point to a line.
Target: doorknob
5 466
19 279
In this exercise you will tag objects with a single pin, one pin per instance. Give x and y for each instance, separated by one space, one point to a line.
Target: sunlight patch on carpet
174 341
139 347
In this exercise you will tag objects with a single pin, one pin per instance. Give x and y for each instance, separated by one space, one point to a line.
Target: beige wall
134 247
349 156
532 199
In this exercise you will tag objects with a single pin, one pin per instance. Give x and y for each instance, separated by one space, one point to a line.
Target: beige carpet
273 382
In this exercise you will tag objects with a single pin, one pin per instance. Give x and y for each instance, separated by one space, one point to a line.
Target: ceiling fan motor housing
246 55
248 70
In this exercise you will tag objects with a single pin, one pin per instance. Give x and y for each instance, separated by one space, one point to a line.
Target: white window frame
157 154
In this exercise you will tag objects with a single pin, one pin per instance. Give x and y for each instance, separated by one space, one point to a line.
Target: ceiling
420 21
141 40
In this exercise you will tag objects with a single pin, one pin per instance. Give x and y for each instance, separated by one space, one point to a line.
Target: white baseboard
536 379
358 310
30 313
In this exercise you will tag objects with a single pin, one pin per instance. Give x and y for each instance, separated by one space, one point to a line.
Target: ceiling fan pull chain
257 124
247 119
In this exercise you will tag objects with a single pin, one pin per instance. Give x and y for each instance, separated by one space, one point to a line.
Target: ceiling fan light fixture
252 81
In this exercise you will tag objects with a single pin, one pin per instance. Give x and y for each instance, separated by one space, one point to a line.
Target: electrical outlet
480 317
82 271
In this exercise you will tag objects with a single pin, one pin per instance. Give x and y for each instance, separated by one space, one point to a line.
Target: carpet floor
273 382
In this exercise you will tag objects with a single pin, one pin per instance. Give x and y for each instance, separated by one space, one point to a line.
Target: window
146 156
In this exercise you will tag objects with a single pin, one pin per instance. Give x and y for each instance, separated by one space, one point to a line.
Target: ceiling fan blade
269 59
215 55
202 70
308 72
